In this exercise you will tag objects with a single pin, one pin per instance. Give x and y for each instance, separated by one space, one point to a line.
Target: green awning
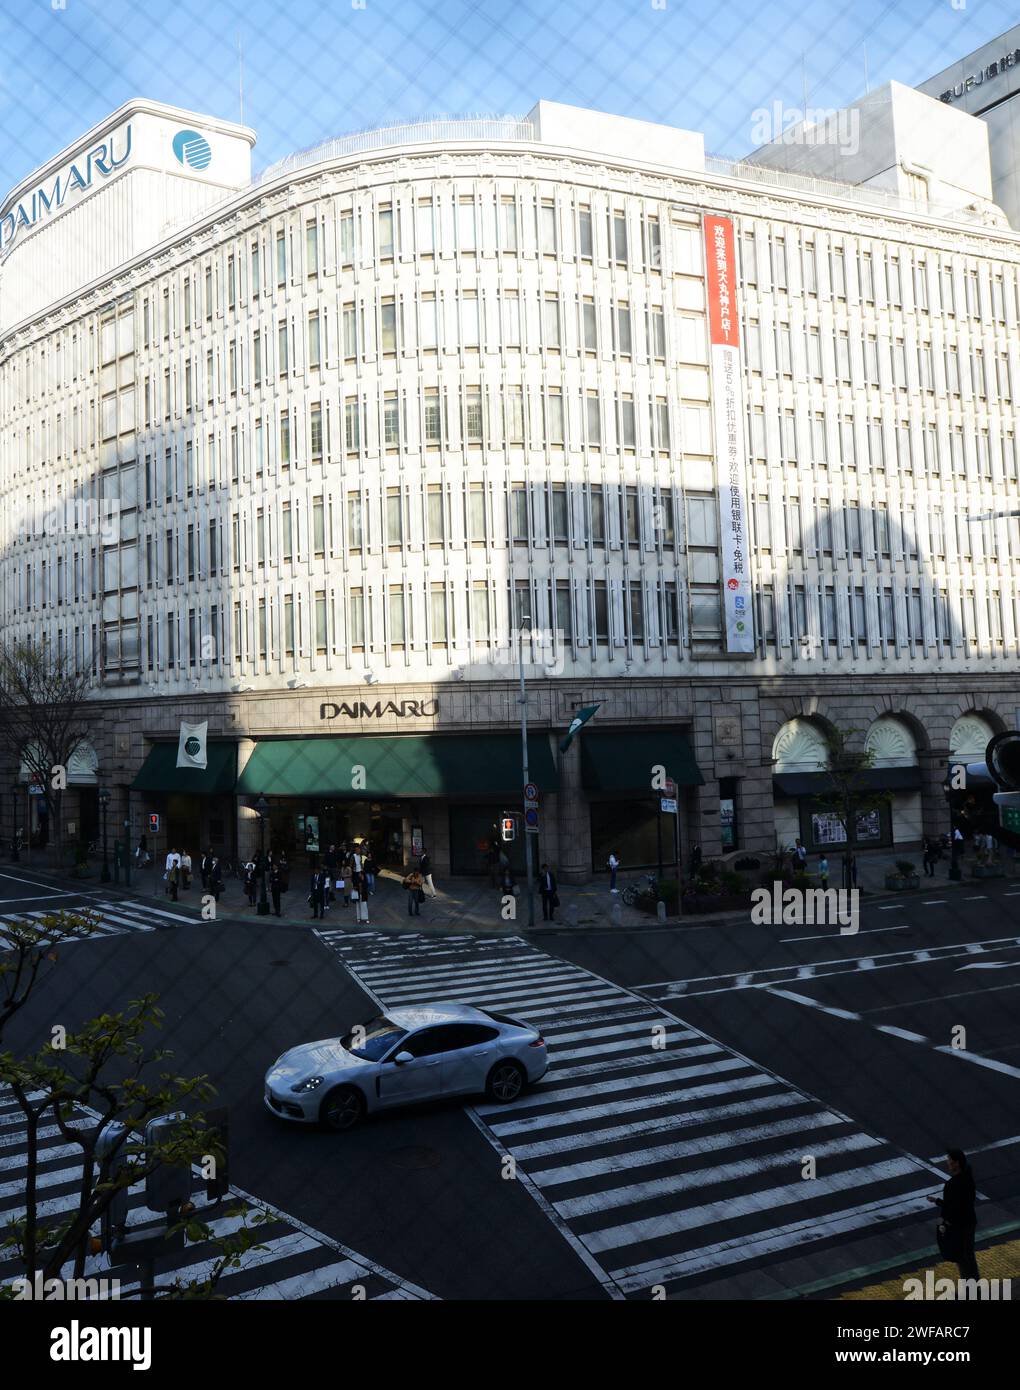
621 760
160 773
398 766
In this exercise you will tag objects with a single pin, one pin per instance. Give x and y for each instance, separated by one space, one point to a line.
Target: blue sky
315 68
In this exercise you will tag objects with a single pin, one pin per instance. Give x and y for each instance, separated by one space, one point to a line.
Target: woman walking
415 895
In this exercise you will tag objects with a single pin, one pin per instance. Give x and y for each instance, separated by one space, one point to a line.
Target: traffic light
507 829
168 1185
110 1150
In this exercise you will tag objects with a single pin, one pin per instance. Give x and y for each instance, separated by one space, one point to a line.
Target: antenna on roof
240 76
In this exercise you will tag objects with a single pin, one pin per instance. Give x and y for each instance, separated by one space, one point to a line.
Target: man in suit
547 888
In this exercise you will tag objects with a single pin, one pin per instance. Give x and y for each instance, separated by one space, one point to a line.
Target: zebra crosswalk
114 918
659 1153
295 1262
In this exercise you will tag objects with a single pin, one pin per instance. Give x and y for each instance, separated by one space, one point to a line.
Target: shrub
747 864
904 868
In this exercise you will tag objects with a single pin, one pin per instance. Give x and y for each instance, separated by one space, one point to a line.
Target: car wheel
506 1082
342 1109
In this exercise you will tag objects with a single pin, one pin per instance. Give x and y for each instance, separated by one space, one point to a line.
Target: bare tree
849 793
90 1083
43 717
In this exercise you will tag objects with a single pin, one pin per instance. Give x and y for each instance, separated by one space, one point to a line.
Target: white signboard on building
728 412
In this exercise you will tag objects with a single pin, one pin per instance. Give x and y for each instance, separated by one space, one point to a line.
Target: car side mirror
403 1057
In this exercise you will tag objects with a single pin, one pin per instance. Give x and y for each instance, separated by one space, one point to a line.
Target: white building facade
299 456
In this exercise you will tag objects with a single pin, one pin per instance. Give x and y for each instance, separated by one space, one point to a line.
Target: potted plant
895 882
911 878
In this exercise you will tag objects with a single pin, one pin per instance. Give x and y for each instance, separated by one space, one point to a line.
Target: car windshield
374 1039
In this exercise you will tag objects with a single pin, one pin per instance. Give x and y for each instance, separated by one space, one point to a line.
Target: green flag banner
579 720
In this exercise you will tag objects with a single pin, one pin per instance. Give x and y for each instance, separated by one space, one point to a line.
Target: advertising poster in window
728 413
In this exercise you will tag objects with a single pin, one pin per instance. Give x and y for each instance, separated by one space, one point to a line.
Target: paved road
694 1071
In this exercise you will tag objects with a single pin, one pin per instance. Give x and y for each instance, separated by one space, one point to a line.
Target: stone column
573 820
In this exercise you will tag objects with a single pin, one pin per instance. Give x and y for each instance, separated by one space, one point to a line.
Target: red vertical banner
721 276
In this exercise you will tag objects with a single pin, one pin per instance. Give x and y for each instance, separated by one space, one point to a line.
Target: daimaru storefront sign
728 413
77 177
360 709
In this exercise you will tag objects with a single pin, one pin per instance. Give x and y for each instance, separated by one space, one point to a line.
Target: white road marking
811 1003
903 1033
829 935
965 1056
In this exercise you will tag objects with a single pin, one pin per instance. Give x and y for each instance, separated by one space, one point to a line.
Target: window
473 415
256 277
355 533
624 339
437 615
551 323
287 533
558 514
519 530
564 615
433 418
388 327
347 238
600 614
480 611
386 233
475 513
257 359
394 519
628 429
657 336
593 417
397 617
584 227
598 514
636 614
285 439
282 358
618 237
428 323
313 340
312 248
652 243
466 226
352 425
315 431
588 326
281 258
350 332
288 625
426 229
508 208
391 420
357 620
320 623
436 515
547 228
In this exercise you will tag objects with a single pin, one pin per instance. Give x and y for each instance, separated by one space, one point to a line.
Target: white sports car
413 1054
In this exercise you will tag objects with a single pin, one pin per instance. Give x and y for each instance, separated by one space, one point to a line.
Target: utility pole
523 702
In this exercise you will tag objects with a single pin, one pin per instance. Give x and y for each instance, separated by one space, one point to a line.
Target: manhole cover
414 1157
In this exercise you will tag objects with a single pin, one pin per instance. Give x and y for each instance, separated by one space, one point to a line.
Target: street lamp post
262 807
523 702
104 801
15 828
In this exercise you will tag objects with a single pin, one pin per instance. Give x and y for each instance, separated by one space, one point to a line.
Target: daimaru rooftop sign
77 177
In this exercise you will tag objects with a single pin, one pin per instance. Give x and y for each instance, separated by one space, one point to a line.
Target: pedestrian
425 869
853 870
415 895
492 859
142 853
330 863
929 858
823 872
547 888
695 861
955 1231
346 874
216 877
509 886
284 868
249 881
173 862
275 887
204 868
186 870
317 895
371 870
799 858
173 879
614 865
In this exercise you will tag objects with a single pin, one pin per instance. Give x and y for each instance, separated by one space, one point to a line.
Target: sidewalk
470 904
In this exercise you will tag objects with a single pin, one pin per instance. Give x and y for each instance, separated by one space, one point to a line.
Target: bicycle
648 884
